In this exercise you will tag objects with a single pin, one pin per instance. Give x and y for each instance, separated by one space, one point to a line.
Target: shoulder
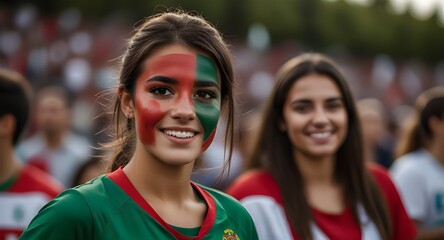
410 164
382 178
378 172
66 217
254 182
385 184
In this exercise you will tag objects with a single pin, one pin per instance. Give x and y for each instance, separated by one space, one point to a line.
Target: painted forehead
178 65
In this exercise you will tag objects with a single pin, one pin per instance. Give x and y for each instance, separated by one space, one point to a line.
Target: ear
126 103
435 123
7 125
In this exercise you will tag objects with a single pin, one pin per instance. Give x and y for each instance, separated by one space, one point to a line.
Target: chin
180 159
322 153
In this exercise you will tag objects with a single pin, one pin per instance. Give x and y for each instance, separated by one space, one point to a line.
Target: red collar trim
119 178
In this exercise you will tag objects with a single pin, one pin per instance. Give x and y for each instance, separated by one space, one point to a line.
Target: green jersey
109 207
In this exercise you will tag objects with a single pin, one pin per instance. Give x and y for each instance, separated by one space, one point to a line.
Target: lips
179 134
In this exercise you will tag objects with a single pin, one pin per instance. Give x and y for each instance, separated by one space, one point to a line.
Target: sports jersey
109 207
420 180
258 191
21 197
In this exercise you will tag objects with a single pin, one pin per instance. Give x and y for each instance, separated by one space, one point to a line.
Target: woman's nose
184 109
320 116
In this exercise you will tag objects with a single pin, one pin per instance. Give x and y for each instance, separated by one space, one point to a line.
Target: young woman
307 178
419 170
175 77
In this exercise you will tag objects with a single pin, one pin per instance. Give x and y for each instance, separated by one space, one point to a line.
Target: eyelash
305 108
210 93
155 91
168 91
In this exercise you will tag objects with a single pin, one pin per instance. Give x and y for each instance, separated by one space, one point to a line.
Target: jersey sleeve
66 217
403 226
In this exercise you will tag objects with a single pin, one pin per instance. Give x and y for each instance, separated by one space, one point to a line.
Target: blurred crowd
81 56
71 62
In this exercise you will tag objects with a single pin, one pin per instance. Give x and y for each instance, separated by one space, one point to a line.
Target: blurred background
390 50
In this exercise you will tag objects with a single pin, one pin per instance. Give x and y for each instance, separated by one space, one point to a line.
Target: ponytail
412 139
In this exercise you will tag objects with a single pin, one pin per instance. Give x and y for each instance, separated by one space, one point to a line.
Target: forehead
51 101
314 86
181 61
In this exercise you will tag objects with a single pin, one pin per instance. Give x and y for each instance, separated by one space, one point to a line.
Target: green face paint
207 112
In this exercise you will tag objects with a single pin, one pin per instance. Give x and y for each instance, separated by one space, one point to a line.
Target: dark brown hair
15 98
161 30
273 151
429 104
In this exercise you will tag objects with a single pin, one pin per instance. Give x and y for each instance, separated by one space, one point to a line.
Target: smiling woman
307 178
175 79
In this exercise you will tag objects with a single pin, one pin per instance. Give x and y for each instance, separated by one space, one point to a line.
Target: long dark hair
161 30
273 151
429 104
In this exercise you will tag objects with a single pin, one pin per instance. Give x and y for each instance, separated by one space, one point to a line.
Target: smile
179 134
322 135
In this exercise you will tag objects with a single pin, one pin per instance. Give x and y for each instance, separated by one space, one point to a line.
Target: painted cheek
208 141
208 113
149 115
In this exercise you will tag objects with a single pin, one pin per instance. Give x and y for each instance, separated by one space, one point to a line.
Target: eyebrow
306 101
173 81
205 84
163 79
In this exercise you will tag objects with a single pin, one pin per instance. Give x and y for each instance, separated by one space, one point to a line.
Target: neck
435 148
54 139
316 170
153 178
9 164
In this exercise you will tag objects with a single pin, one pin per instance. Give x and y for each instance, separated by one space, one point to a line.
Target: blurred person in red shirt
54 147
23 189
307 177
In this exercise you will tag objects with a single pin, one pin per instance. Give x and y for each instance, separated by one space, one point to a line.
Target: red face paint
185 81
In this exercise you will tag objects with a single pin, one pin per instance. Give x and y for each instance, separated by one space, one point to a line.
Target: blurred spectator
373 123
306 175
54 147
23 190
90 169
419 170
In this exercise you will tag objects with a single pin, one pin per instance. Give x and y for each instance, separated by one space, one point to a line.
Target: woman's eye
334 106
301 109
161 91
205 94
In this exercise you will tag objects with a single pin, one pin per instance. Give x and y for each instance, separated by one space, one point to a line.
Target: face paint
187 73
208 113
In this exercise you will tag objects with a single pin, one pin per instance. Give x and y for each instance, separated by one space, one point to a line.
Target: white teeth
179 134
321 135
